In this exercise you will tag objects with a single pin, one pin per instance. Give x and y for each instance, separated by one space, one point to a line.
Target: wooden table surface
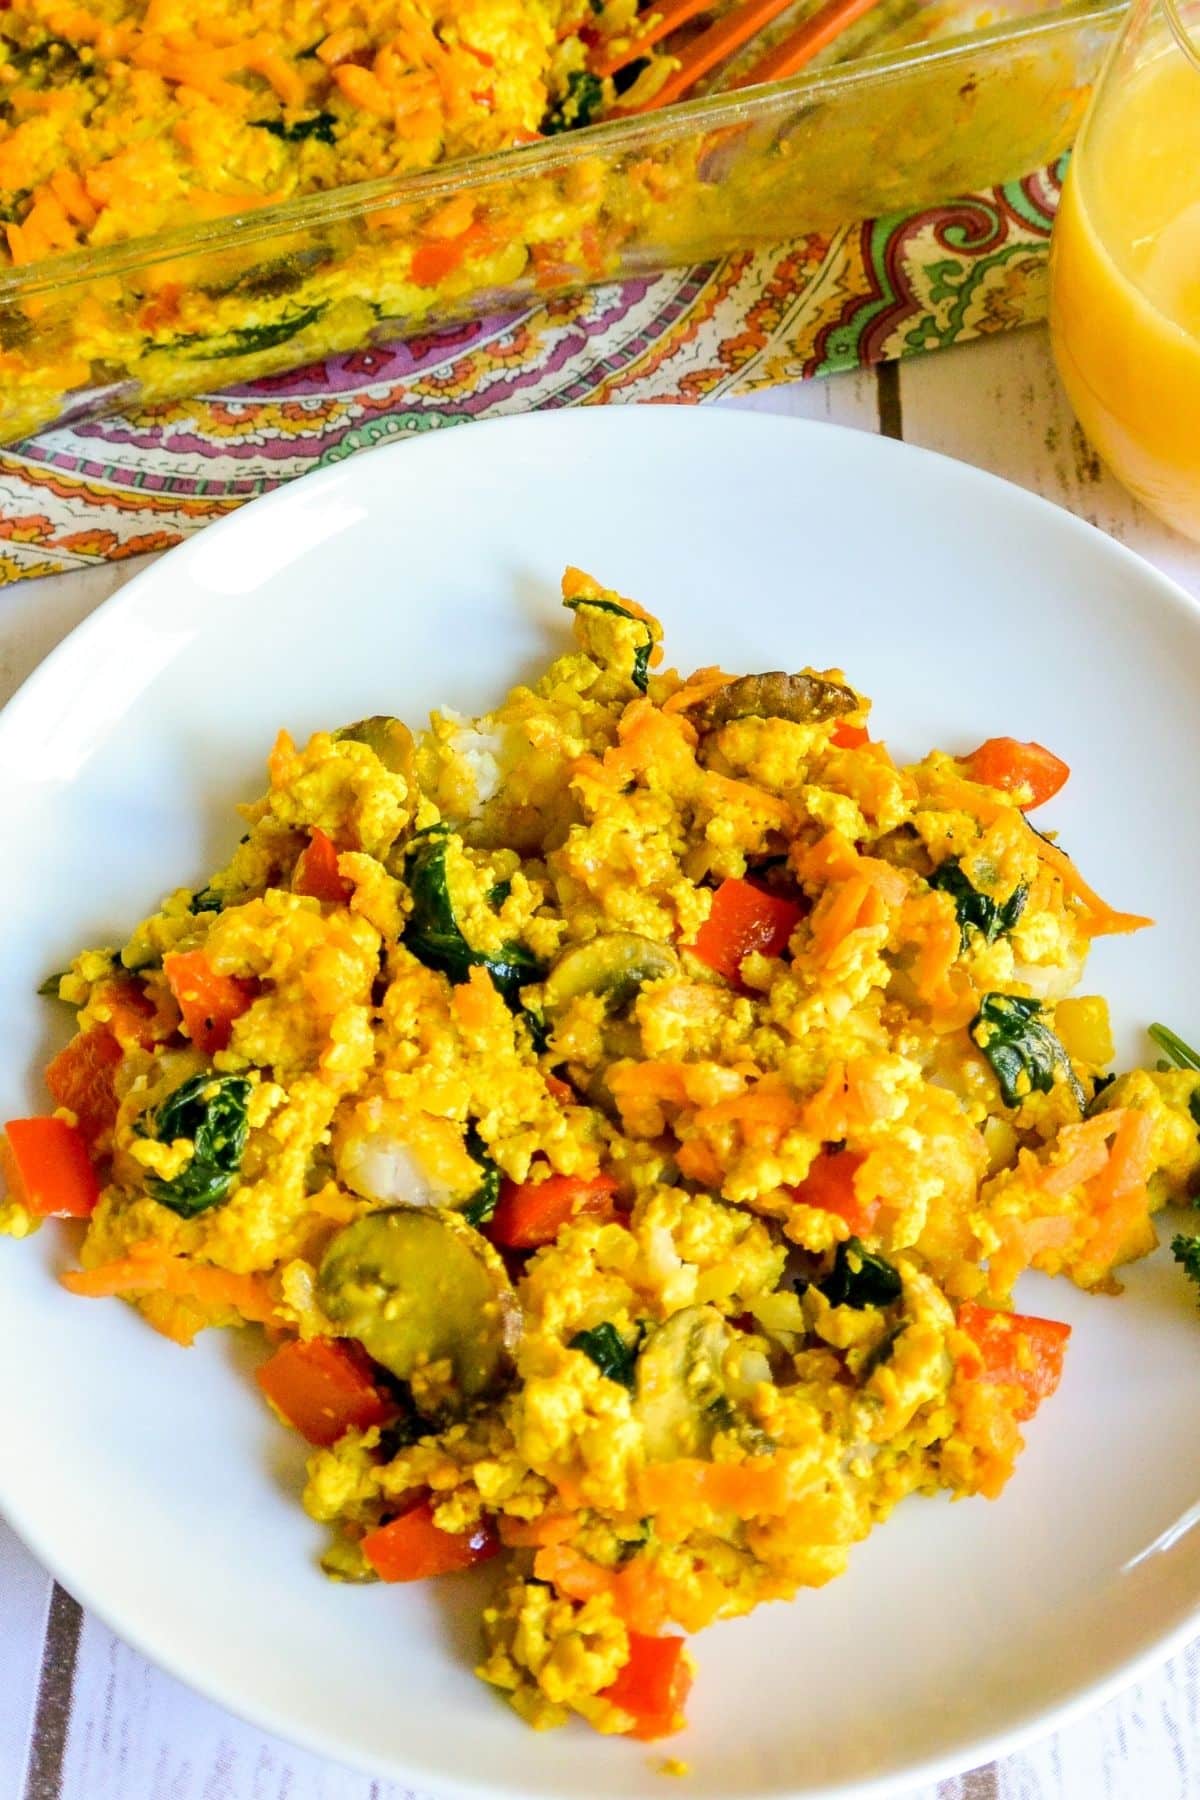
82 1717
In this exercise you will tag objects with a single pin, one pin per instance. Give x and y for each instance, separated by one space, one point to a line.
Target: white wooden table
82 1717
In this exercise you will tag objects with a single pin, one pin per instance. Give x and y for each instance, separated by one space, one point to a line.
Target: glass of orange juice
1125 263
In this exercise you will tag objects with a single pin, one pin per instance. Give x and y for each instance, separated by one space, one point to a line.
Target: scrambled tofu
628 1114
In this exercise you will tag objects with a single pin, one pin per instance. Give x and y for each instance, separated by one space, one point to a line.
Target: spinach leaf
640 673
609 1351
859 1278
579 105
1185 1248
432 932
49 988
318 125
979 912
482 1204
249 338
498 894
1025 1054
210 1110
204 900
539 1031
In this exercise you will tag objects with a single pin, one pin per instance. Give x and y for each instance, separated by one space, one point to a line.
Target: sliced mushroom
804 698
416 1286
614 965
689 1385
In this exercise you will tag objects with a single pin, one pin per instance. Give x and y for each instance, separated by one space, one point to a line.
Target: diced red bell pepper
849 737
208 1001
439 257
316 872
1016 1350
531 1213
1021 769
829 1185
324 1387
46 1166
653 1685
432 262
411 1547
81 1077
744 918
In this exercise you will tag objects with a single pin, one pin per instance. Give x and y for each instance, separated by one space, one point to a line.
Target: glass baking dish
913 120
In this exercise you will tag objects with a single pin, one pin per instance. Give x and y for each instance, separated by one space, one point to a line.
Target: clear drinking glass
1125 263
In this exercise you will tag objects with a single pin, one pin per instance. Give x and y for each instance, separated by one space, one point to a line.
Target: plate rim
1037 1722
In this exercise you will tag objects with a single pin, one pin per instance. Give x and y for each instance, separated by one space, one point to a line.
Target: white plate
156 1485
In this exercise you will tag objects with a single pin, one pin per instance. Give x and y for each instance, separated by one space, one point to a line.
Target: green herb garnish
1185 1248
1181 1055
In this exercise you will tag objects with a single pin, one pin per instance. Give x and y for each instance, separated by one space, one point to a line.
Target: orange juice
1125 286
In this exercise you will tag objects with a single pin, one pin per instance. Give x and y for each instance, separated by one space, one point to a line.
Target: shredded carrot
721 790
571 1573
833 858
364 89
1124 1174
664 18
549 1529
1102 920
649 738
734 28
825 1114
765 1113
637 1085
287 84
699 1162
754 1489
699 687
147 1269
642 1596
340 44
842 910
929 921
72 196
1088 1152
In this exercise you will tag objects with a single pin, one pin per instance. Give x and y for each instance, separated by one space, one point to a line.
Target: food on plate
625 1116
